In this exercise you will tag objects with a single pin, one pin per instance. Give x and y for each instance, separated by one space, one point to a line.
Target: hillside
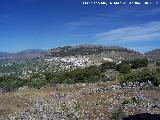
31 53
114 52
6 55
154 54
25 54
80 102
75 85
33 61
87 49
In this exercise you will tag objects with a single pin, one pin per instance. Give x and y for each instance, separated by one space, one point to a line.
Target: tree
107 65
139 63
140 76
158 63
123 68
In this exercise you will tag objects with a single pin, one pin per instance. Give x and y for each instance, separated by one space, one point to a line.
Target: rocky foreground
98 101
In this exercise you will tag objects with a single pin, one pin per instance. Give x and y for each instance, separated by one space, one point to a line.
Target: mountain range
30 53
86 49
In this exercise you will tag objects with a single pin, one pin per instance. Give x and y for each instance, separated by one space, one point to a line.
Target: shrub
158 63
158 70
48 76
90 74
156 80
36 83
77 107
68 81
139 63
118 113
123 68
127 100
98 102
134 64
107 65
10 83
144 75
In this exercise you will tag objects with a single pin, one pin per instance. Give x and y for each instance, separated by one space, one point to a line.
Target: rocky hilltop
88 49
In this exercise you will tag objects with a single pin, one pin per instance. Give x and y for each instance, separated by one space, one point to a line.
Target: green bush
36 83
107 65
86 75
156 80
158 70
123 68
158 63
134 64
49 76
10 83
68 81
140 76
127 101
77 107
89 74
139 63
118 113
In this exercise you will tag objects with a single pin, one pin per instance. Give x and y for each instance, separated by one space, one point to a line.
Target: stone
115 87
124 85
22 88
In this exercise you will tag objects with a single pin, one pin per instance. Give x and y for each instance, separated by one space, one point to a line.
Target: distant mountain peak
32 51
25 54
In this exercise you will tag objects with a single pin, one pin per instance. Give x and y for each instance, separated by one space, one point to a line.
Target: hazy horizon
73 46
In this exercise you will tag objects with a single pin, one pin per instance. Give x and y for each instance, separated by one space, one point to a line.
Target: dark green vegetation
141 76
9 83
139 63
127 65
107 65
123 68
128 70
134 64
86 75
158 63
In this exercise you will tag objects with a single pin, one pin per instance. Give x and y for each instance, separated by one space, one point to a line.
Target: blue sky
28 24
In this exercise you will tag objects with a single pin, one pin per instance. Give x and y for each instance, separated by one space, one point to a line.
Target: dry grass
14 102
94 104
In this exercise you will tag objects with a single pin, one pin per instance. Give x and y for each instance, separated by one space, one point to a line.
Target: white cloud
142 32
